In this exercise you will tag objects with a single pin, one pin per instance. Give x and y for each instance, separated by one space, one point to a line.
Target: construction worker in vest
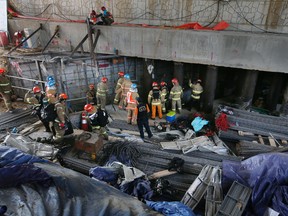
58 125
5 90
125 87
101 94
118 90
132 94
36 99
97 120
141 112
197 90
164 96
91 95
176 94
154 98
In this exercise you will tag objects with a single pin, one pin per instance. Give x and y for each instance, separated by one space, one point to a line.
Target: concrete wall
244 15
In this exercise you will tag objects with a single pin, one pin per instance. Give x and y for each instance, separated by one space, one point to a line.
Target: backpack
156 94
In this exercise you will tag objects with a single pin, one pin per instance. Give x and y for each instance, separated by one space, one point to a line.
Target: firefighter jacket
164 94
176 92
154 96
197 90
131 99
126 87
60 110
91 95
142 111
102 89
5 85
119 84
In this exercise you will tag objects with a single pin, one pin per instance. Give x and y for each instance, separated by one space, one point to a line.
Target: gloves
61 125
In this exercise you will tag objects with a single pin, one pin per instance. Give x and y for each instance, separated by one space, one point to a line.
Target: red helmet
63 96
163 83
104 79
91 86
174 80
103 8
88 107
154 84
36 89
121 73
2 70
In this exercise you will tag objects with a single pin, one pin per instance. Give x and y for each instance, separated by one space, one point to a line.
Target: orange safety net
195 25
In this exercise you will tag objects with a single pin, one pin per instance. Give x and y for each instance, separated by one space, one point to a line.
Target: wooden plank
161 173
272 141
260 139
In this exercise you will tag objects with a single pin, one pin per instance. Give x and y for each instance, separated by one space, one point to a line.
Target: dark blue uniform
142 111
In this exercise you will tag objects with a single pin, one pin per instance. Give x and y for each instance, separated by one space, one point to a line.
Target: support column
249 84
179 72
275 93
209 86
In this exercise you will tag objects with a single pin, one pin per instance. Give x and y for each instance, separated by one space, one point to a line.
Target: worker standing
118 89
141 112
197 90
164 96
91 95
154 98
176 94
125 87
58 125
131 104
5 90
97 119
101 94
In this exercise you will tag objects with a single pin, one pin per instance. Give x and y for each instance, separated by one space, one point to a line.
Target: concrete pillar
249 84
274 96
209 85
179 72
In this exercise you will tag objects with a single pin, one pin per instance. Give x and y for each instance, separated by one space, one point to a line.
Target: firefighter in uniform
176 94
101 94
197 90
97 119
125 87
58 125
91 95
141 112
131 104
164 95
5 90
154 98
118 89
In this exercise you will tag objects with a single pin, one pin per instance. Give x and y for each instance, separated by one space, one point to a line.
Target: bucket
3 39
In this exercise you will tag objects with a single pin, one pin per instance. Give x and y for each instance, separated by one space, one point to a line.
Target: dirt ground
15 105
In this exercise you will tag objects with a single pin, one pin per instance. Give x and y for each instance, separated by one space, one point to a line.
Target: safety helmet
91 86
104 79
88 107
49 78
163 83
103 8
133 85
121 73
126 76
154 84
2 70
199 80
51 83
63 96
36 89
174 80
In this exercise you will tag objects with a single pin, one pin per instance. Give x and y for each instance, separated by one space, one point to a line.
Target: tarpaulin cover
195 25
70 193
266 175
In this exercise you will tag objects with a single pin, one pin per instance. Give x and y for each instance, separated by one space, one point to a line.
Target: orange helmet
121 73
36 89
63 96
88 107
91 86
163 83
174 80
104 79
154 84
2 70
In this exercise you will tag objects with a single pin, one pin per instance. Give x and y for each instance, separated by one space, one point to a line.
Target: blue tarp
267 175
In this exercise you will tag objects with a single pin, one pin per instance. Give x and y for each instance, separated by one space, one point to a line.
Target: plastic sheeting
267 175
70 193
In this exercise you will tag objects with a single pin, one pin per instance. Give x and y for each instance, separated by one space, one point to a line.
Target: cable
217 13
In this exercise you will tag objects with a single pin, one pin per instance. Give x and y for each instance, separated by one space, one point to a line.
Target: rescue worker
154 98
164 95
106 16
101 94
5 90
51 91
176 94
141 112
37 101
48 113
125 87
118 89
58 125
91 95
197 90
97 119
132 94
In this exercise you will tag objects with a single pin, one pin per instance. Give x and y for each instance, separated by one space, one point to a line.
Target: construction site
201 128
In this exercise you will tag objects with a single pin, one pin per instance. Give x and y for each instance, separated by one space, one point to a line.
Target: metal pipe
22 78
55 33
